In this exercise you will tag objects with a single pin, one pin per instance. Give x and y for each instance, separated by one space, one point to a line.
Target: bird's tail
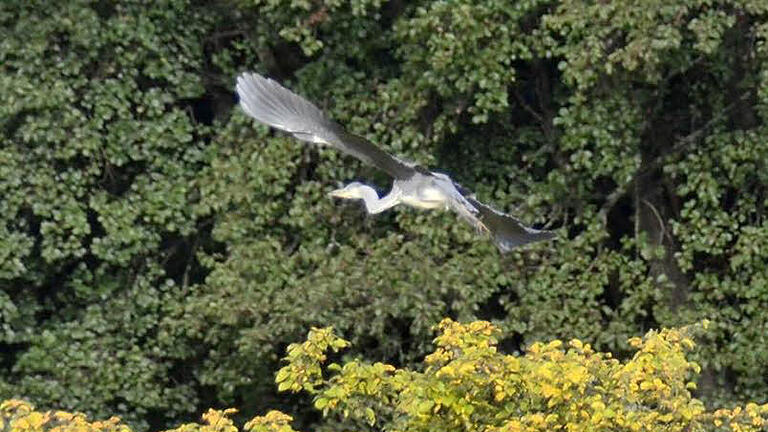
506 231
506 242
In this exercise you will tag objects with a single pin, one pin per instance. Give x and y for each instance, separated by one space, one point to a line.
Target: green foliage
158 250
98 163
305 359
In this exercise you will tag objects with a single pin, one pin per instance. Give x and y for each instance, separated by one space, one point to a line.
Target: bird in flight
272 104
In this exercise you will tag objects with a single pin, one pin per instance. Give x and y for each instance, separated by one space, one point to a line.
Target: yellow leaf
548 390
577 374
555 344
596 417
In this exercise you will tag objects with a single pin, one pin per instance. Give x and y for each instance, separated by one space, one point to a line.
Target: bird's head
353 190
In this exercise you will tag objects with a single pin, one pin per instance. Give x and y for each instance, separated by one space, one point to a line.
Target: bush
466 384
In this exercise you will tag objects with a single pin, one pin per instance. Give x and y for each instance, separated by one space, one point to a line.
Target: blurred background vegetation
159 250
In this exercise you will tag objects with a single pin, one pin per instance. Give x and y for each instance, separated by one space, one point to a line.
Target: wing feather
272 104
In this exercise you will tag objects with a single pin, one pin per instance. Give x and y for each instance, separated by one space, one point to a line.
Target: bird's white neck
374 204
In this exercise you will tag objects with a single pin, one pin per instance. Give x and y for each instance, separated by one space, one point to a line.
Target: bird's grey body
274 105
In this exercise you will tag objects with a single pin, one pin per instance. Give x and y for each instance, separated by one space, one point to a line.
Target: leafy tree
99 157
158 250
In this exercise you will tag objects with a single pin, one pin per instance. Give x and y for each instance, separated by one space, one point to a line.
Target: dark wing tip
506 241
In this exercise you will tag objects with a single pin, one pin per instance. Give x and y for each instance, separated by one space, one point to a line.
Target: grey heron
272 104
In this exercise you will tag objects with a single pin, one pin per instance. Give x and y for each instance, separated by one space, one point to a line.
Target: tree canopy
159 250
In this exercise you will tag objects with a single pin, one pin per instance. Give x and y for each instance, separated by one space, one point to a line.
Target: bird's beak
338 193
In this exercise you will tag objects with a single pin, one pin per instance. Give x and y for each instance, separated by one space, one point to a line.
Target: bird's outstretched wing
506 231
276 106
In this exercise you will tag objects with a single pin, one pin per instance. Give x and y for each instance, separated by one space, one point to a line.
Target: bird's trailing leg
373 204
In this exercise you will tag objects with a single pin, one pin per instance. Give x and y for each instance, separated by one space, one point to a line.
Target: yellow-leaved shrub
20 416
466 384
